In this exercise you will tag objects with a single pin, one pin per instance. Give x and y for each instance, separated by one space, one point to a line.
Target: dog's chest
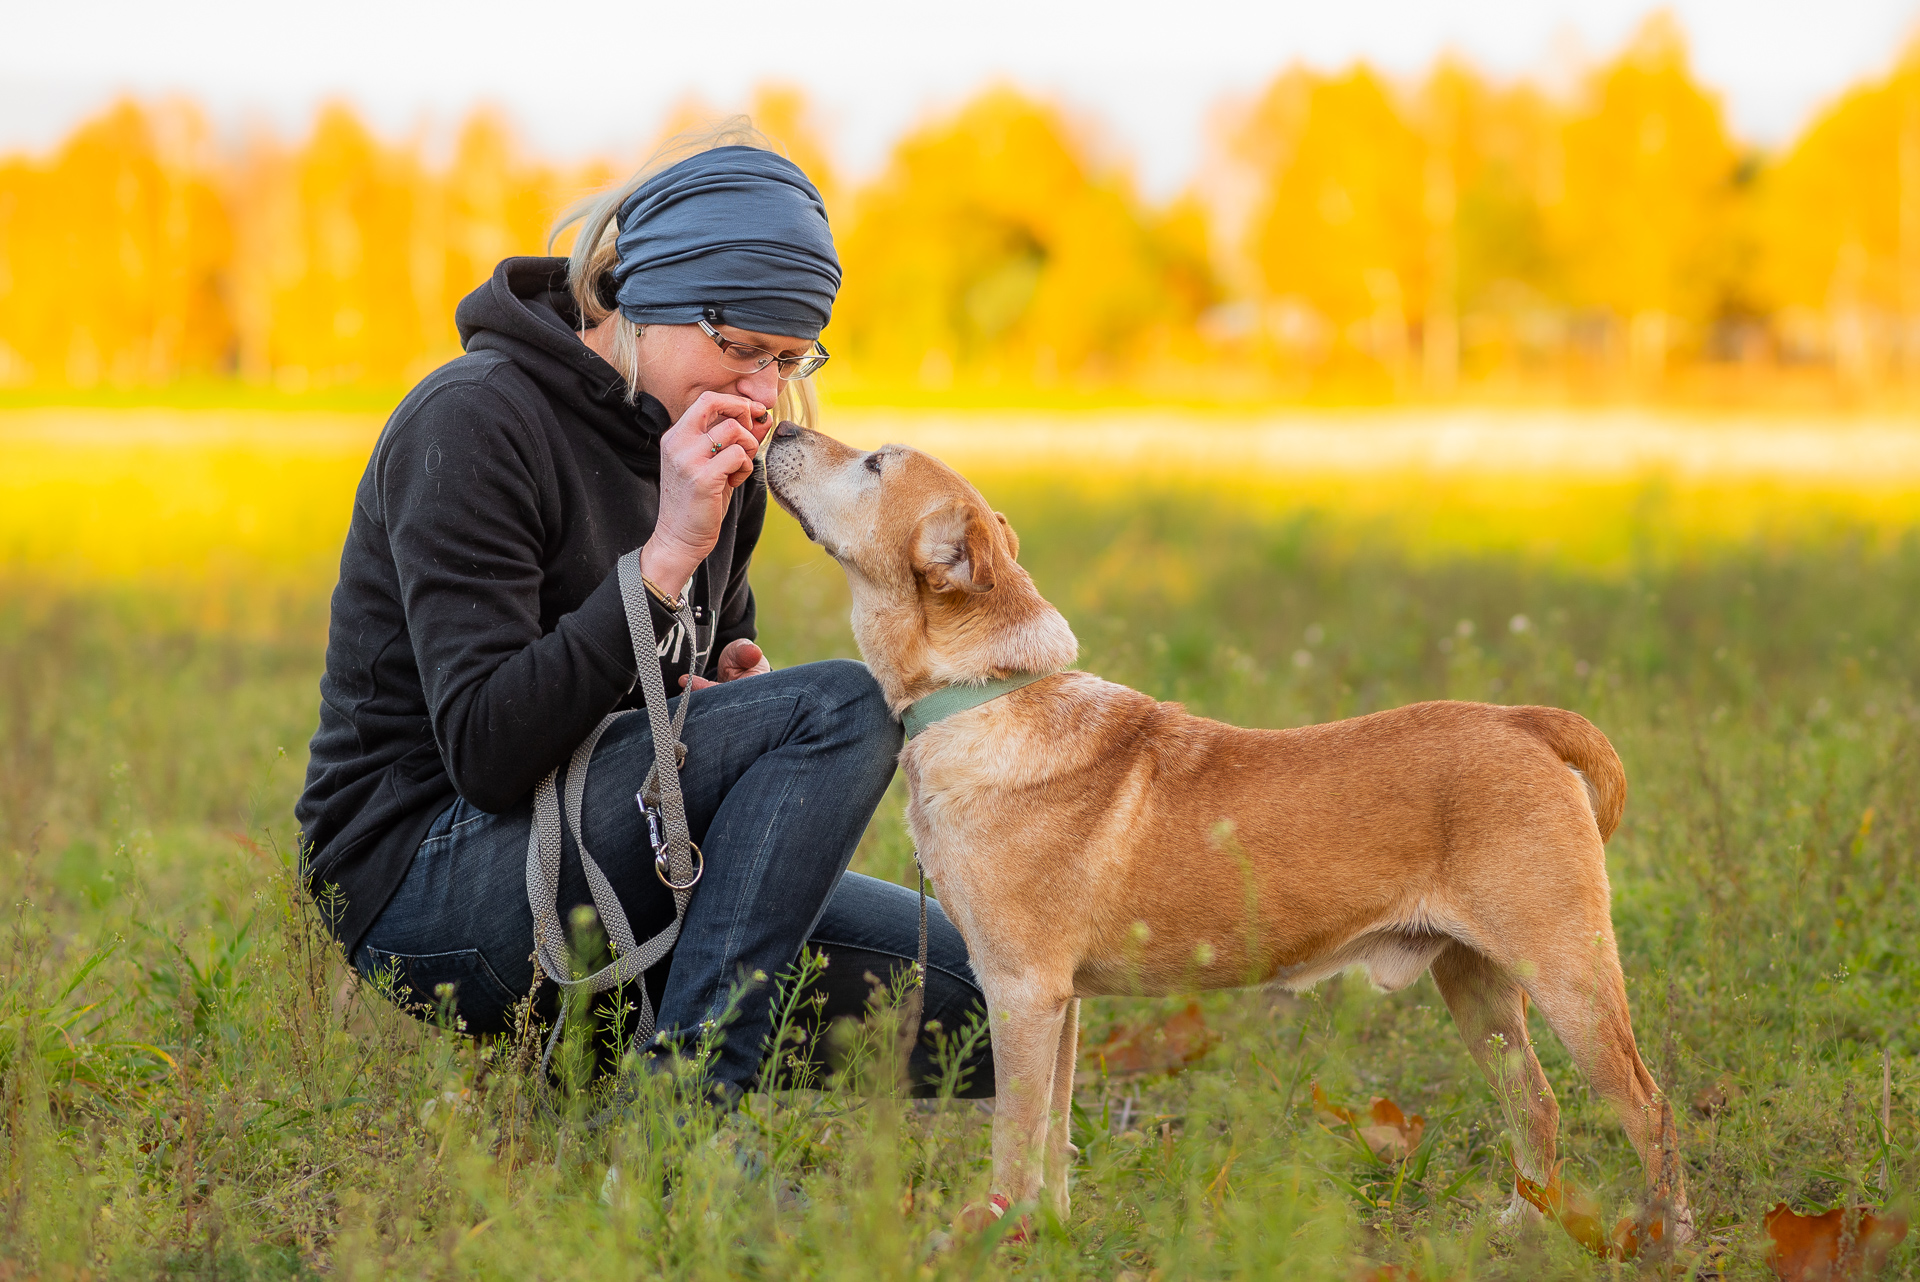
958 822
948 830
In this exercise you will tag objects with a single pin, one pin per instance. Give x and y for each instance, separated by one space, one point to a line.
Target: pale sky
594 75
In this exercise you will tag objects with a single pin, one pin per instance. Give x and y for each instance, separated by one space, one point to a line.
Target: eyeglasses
742 359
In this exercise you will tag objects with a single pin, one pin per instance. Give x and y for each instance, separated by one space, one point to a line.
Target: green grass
191 1083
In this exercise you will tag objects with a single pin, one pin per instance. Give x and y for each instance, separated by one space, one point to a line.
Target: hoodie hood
526 313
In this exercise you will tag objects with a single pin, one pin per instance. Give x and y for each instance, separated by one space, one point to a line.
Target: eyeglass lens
751 360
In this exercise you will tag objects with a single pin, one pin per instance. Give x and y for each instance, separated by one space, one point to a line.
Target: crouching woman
610 402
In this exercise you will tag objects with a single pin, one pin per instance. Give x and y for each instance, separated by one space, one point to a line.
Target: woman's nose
763 387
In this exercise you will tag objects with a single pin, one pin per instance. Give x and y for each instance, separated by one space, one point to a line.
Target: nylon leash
677 860
916 1004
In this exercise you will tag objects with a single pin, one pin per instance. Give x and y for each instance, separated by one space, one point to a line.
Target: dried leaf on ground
1579 1214
1368 1271
1390 1133
1165 1047
1844 1244
1713 1098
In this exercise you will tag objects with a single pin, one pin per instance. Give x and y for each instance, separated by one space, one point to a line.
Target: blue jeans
783 772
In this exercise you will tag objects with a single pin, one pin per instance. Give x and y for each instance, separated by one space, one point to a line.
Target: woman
613 401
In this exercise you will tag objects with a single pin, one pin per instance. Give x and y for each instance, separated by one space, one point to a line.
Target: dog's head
938 595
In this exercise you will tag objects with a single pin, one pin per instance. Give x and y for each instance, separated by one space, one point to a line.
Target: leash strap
677 861
916 1005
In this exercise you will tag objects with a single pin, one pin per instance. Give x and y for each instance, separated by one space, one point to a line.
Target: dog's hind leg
1060 1149
1490 1009
1581 993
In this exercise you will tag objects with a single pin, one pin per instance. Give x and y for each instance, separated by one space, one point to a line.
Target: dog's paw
1518 1216
978 1216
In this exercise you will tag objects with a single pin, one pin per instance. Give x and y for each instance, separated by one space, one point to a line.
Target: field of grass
191 1083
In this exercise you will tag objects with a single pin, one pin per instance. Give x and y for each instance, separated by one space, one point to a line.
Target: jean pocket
480 1000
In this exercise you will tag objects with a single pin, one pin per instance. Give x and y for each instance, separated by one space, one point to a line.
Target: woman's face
679 362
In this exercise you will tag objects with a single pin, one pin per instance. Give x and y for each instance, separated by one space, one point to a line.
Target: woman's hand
696 480
741 658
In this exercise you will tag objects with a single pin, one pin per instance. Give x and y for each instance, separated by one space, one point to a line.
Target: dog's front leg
1060 1150
1027 1021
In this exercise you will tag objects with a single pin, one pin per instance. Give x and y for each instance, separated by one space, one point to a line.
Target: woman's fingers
703 458
734 457
742 658
714 409
728 432
719 425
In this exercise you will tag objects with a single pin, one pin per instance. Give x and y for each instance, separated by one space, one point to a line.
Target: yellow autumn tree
112 252
353 253
997 247
498 204
1840 228
350 259
1340 235
1489 269
1646 219
785 115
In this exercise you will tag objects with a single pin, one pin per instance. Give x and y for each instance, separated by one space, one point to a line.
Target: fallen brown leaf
1714 1097
1368 1271
1391 1134
1844 1244
1167 1047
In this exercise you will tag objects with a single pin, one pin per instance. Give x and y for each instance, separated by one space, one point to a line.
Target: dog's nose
787 428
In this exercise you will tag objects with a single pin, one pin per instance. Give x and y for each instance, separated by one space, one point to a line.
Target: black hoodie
478 632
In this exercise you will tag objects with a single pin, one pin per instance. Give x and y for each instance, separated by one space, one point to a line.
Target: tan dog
1087 840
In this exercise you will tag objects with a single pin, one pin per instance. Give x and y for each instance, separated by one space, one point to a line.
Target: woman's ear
1013 540
954 552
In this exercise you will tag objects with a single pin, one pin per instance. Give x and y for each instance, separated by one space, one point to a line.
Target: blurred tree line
1347 235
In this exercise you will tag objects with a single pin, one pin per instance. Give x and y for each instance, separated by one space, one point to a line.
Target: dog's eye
873 464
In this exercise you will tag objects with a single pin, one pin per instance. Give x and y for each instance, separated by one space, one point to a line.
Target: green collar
947 700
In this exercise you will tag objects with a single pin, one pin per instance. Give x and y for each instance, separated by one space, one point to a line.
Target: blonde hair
595 253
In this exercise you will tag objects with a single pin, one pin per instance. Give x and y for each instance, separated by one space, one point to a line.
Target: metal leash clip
658 841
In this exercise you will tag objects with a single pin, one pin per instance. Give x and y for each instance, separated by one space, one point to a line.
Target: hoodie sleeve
466 497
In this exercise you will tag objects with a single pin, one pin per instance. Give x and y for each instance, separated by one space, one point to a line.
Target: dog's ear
955 551
1013 540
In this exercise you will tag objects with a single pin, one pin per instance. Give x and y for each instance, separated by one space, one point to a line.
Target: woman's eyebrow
774 343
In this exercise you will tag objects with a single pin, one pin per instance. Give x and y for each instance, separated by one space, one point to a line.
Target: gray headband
735 228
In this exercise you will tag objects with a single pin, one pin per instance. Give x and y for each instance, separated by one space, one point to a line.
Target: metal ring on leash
666 878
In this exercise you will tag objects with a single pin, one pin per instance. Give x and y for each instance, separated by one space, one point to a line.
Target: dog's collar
947 700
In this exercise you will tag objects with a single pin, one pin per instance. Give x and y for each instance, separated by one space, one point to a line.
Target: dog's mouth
791 508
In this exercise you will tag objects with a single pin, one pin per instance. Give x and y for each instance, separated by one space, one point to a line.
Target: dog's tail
1579 743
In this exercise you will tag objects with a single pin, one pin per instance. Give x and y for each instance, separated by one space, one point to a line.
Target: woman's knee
845 694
